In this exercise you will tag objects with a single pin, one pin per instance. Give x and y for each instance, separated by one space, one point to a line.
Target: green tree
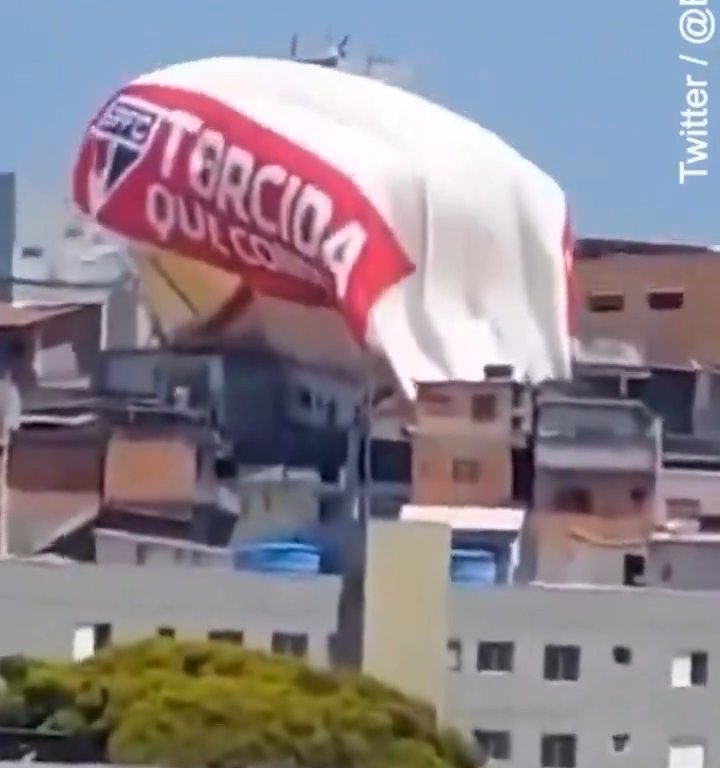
186 704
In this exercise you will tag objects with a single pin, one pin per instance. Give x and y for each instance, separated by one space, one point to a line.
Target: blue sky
589 90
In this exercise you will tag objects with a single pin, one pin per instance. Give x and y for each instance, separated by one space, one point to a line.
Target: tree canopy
189 704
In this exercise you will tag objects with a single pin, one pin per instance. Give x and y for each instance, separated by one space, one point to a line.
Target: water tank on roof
472 566
278 557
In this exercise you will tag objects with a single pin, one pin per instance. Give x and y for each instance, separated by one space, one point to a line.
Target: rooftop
12 316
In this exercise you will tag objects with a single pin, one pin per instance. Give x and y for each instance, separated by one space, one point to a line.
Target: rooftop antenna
331 57
387 69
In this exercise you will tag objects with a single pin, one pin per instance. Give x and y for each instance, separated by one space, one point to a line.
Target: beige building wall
662 303
407 581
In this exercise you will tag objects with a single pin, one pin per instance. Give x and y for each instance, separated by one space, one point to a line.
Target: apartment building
566 677
67 610
558 677
595 503
659 298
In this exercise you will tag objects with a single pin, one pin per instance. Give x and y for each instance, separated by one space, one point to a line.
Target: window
454 652
605 302
685 754
290 644
465 471
638 496
141 553
226 636
332 414
558 751
690 670
166 632
665 299
31 252
88 639
622 655
495 744
620 742
483 407
562 662
633 570
196 558
577 500
495 657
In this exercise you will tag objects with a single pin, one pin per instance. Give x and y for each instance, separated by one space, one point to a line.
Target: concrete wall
124 548
42 605
609 698
663 336
685 564
694 486
405 622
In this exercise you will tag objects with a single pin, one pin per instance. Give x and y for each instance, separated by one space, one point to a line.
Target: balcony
599 435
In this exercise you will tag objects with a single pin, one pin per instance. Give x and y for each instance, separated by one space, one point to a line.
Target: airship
331 219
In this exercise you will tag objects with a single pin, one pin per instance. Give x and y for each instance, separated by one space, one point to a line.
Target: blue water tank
278 557
472 566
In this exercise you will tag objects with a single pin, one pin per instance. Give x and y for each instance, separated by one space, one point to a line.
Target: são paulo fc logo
120 136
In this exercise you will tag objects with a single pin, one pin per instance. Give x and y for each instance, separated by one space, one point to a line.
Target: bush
187 704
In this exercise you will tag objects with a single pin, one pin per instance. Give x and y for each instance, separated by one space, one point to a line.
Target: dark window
576 500
391 461
665 299
495 744
226 636
454 649
710 525
465 471
633 570
483 407
498 371
562 662
305 397
495 657
638 496
141 553
290 644
103 636
196 557
622 655
698 668
332 414
558 751
605 302
621 742
670 394
31 252
166 632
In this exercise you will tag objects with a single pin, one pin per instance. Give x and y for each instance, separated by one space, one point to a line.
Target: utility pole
10 407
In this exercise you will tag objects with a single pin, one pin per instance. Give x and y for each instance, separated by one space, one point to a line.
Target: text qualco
229 179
